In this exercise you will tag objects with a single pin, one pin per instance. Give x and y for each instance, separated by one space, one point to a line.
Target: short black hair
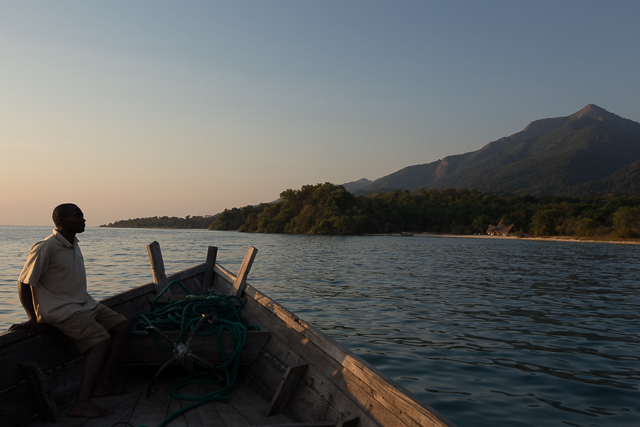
62 211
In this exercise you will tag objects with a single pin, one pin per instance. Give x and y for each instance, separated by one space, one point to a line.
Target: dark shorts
89 327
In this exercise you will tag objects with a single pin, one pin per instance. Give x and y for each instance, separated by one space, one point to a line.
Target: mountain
624 181
575 155
356 185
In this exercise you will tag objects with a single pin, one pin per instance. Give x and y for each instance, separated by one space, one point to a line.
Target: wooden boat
291 374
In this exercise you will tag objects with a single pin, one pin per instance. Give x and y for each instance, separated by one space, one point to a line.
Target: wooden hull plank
56 348
312 424
174 406
204 415
17 405
153 410
122 406
230 417
253 407
190 278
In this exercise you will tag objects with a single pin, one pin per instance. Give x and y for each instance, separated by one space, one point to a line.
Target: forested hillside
164 222
330 209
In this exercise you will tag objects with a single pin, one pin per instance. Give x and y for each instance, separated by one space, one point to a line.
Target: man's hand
30 325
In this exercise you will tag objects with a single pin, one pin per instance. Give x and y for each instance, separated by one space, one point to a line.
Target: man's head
69 218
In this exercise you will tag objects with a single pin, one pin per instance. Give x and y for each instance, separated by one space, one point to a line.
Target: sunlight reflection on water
488 332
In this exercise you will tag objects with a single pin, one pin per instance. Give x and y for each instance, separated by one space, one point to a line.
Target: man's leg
118 335
87 328
83 406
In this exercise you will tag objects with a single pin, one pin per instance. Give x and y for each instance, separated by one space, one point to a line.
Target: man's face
73 220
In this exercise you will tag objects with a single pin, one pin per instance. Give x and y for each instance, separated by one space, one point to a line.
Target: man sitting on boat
53 290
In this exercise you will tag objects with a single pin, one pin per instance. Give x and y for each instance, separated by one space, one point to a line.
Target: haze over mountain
589 151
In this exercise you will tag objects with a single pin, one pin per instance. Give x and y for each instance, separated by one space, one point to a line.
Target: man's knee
102 345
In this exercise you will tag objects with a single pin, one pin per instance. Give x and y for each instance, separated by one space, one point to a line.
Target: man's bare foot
88 410
104 390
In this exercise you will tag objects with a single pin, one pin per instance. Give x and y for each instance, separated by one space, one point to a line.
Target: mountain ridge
552 155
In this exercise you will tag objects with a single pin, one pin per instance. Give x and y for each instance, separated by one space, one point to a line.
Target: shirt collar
62 239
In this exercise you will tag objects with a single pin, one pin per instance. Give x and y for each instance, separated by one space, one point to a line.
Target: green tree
586 227
481 223
544 222
626 222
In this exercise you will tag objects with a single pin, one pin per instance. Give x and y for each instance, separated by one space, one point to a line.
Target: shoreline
486 236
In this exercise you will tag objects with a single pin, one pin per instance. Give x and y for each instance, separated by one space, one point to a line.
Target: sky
150 108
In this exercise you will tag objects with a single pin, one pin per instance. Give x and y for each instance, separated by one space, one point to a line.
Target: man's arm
26 298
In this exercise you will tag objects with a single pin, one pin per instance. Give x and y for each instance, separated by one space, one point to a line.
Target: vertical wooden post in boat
157 267
207 279
288 384
241 279
41 392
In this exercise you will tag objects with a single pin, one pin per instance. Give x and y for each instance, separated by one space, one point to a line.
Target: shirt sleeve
36 265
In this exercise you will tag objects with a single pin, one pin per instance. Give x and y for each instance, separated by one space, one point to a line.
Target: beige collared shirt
55 271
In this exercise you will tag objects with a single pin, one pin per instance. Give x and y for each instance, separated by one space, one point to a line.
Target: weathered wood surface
240 281
191 277
253 406
157 266
311 424
144 351
210 265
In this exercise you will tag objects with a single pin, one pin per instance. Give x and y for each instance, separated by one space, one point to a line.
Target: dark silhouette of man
53 290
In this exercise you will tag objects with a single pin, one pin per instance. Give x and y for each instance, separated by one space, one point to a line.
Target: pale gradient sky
143 108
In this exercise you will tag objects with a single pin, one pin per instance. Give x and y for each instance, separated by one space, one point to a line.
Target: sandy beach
548 238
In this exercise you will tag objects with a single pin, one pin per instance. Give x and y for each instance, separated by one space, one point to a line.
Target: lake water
490 332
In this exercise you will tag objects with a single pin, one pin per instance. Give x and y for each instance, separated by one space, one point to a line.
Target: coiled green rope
182 316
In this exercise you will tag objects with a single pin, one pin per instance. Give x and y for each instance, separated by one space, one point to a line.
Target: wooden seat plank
144 351
230 417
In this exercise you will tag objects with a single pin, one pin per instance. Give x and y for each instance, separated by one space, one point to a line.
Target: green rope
182 316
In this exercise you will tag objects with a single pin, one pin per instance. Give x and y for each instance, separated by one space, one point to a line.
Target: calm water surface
488 332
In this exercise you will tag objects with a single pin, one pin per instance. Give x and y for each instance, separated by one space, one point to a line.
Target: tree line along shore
330 209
